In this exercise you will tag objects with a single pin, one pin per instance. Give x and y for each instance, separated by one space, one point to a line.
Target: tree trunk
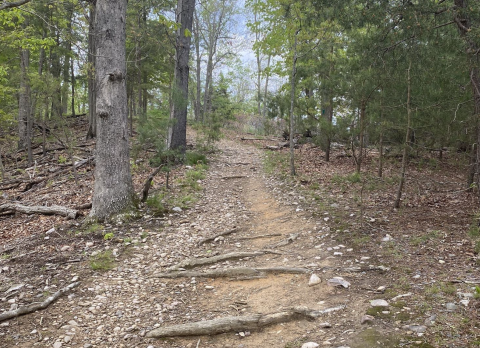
363 109
92 123
198 59
380 150
464 24
177 139
113 190
407 139
265 93
24 106
292 105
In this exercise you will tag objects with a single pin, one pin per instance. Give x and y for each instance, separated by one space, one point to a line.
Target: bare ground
320 221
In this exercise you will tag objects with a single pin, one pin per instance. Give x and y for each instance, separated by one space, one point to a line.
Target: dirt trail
117 308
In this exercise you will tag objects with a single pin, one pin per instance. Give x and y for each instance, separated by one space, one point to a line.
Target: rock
416 328
87 345
89 244
338 281
67 339
314 280
325 325
381 289
465 302
387 238
451 306
65 248
430 320
400 296
57 344
177 209
209 287
310 345
379 303
337 253
367 319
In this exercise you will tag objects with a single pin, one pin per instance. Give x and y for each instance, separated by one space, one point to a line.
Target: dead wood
231 272
255 139
148 183
36 306
78 164
39 209
287 241
260 236
192 263
84 206
208 239
233 177
274 148
238 323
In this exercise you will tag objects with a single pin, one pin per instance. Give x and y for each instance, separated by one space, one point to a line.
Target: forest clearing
232 173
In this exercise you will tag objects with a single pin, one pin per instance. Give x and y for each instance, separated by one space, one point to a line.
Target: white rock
177 209
314 280
57 344
338 281
379 303
310 345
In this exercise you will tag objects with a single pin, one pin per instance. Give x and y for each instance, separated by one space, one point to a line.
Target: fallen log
192 263
36 306
208 239
39 209
239 323
233 177
231 272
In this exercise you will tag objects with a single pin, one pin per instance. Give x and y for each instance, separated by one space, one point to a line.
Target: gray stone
416 328
57 344
379 303
177 209
451 306
314 280
310 345
367 319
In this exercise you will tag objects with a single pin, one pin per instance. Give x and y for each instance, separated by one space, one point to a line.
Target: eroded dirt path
118 307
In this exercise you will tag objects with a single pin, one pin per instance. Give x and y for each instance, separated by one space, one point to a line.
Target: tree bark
292 106
25 123
361 136
177 139
265 93
92 123
407 139
198 59
113 190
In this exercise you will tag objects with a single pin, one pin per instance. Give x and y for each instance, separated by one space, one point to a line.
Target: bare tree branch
6 5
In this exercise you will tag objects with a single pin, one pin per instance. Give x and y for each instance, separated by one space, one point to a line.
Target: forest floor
420 259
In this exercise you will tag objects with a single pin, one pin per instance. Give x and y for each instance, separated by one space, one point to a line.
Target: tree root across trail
233 272
239 323
37 306
40 209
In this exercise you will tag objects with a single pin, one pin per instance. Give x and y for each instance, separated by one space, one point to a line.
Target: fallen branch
192 263
231 272
78 164
238 323
261 236
233 177
148 183
208 239
50 210
287 241
36 306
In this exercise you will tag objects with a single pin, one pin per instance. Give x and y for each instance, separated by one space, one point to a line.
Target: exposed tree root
209 239
261 236
239 323
50 210
192 263
233 177
287 241
36 306
231 272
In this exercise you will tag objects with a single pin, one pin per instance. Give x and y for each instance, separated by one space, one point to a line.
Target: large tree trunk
177 137
92 123
113 191
464 24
